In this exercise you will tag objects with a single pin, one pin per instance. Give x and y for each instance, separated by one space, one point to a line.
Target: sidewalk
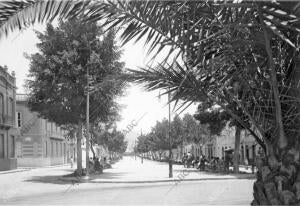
24 169
130 170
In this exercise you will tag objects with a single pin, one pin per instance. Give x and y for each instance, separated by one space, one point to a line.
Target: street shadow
51 179
109 175
65 180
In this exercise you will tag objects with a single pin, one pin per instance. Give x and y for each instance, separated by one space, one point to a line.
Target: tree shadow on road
51 179
64 180
110 175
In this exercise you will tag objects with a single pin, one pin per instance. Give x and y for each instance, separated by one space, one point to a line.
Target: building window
1 146
19 117
56 148
12 147
52 149
64 149
46 148
1 107
61 149
11 107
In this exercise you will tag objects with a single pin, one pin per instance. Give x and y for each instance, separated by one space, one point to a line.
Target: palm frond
21 14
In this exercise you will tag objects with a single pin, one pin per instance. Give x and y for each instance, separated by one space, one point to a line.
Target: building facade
40 143
217 145
8 130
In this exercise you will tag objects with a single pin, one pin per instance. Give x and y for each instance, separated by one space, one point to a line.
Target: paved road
220 192
43 186
131 169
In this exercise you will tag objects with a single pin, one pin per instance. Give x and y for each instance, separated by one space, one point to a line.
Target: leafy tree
177 132
58 77
182 130
110 137
116 142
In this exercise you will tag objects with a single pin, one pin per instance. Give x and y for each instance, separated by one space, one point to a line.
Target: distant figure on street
196 161
71 161
202 162
189 159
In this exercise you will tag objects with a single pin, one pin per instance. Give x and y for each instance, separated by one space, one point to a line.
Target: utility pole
170 140
87 122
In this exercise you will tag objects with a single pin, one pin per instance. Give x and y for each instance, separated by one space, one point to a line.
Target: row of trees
240 55
198 129
182 130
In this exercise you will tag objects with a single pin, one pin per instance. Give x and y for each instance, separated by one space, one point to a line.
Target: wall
33 162
41 142
8 164
7 120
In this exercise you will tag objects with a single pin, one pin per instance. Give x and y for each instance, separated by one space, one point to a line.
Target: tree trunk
278 179
92 149
278 182
79 151
236 155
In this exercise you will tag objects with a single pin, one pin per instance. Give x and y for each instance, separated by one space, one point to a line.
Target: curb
24 169
81 180
13 171
50 166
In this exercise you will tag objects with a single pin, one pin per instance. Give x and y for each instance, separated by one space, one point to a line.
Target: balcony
6 121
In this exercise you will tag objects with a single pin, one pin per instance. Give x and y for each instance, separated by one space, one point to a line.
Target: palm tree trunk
278 179
236 155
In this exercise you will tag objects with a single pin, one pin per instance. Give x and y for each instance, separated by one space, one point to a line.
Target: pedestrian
202 163
71 161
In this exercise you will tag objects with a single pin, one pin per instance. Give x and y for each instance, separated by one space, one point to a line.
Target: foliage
194 131
107 135
241 53
185 130
227 64
58 77
244 44
214 118
116 142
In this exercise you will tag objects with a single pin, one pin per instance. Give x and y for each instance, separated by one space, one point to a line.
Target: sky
138 104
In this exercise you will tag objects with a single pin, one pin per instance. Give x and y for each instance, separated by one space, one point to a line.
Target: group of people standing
202 163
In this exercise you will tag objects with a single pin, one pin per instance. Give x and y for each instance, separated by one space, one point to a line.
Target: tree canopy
58 73
183 130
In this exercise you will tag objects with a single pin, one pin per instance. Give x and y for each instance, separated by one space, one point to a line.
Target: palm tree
244 53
